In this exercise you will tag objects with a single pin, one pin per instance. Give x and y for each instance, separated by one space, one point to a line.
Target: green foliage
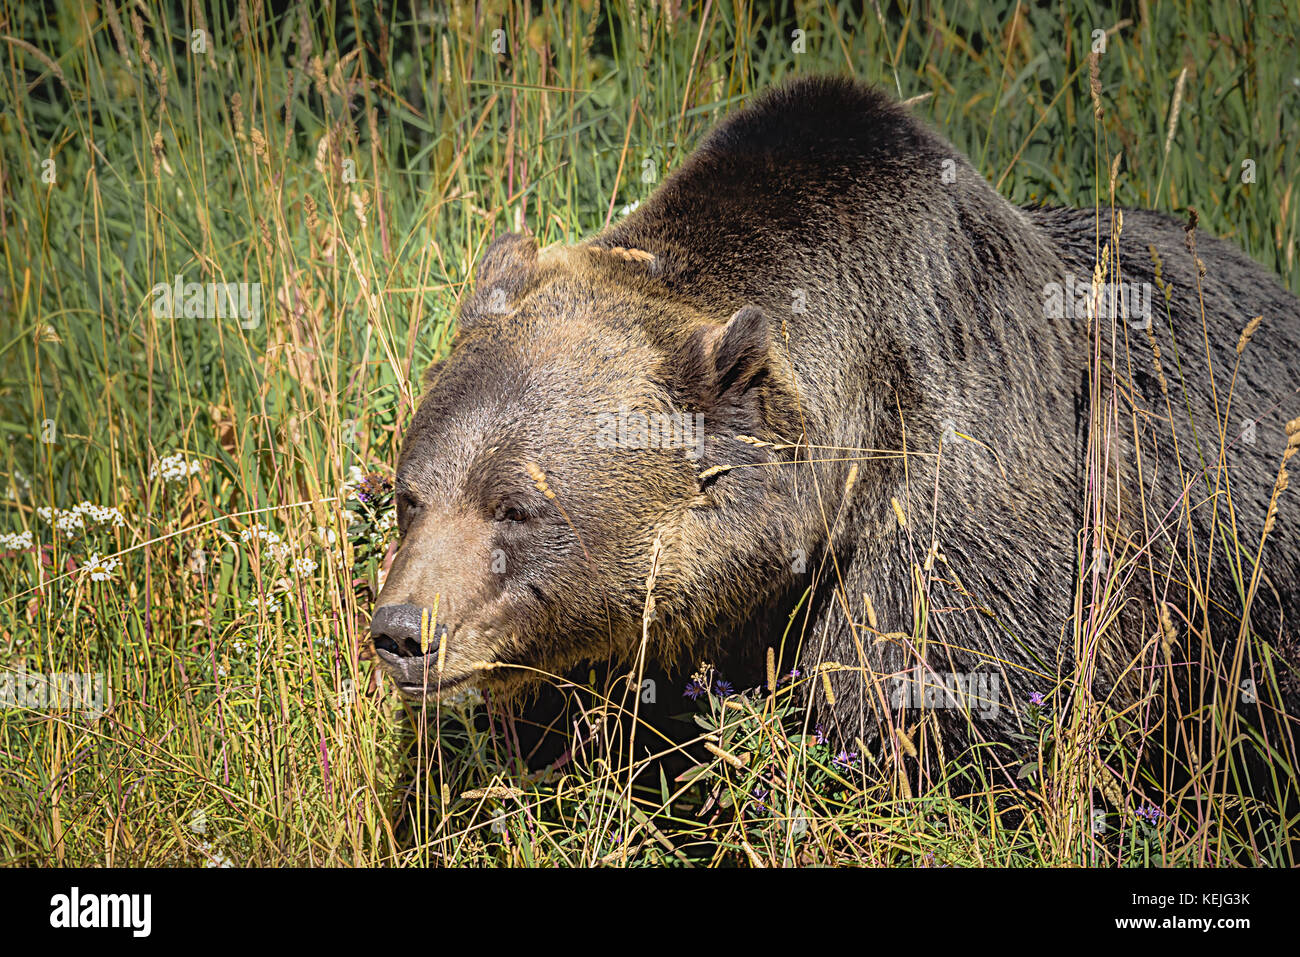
353 172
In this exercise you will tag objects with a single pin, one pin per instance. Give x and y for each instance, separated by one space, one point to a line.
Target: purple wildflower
1036 697
372 487
694 689
723 689
1149 813
845 759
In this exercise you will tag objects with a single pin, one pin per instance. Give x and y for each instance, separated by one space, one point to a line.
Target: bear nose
395 630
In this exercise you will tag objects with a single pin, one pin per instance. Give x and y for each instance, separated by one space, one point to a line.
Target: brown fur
809 279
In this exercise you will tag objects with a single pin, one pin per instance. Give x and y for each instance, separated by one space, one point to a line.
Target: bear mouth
421 690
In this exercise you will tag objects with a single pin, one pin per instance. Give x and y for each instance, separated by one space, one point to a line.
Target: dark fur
924 306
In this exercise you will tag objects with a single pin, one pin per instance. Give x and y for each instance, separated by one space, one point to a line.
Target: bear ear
737 351
502 275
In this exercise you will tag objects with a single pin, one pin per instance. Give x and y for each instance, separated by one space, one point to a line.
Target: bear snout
397 629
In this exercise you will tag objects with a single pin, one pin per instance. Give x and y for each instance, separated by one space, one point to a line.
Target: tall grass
355 165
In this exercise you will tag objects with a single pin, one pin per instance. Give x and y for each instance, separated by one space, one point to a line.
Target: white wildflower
304 566
262 534
218 859
100 514
16 541
174 468
101 569
107 515
354 479
73 520
274 548
69 523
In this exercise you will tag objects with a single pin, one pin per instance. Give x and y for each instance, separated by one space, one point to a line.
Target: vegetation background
354 160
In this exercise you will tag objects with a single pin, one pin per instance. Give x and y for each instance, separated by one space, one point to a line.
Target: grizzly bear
855 407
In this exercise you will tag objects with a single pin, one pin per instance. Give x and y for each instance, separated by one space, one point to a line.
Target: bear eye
510 513
407 505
